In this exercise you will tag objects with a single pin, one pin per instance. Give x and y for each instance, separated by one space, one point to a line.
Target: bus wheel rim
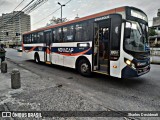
84 67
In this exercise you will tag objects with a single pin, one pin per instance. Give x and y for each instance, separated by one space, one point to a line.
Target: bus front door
47 50
101 46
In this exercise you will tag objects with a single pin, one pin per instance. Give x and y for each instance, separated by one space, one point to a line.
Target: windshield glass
136 40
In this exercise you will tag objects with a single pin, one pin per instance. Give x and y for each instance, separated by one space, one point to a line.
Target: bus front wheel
84 67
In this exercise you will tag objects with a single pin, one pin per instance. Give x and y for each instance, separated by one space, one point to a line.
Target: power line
50 14
18 5
34 6
47 16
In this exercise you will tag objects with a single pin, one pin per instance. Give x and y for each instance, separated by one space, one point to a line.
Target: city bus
112 42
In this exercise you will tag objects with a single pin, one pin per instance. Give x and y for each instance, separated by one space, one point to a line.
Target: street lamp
61 9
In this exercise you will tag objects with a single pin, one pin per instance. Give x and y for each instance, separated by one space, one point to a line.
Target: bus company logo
65 50
6 114
101 18
141 63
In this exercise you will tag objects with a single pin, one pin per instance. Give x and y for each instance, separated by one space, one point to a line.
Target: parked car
19 49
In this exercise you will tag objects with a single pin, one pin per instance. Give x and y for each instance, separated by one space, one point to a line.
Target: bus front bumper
129 72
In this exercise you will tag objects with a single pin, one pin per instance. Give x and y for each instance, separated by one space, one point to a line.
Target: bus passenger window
40 37
82 32
59 37
64 33
53 36
78 35
85 31
35 38
68 33
30 38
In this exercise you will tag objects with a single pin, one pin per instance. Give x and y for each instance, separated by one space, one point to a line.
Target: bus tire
84 67
36 58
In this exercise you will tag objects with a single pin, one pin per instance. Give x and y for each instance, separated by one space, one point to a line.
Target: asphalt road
135 94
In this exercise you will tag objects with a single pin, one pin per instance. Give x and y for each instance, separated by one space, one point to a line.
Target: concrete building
155 40
12 23
156 22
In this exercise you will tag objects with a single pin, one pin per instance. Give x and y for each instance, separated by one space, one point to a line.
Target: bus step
48 62
101 72
104 67
103 61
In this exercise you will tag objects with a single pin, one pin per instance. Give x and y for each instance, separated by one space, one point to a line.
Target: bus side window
24 39
35 38
78 32
59 37
70 33
30 36
82 32
53 36
27 39
85 28
56 35
40 37
65 30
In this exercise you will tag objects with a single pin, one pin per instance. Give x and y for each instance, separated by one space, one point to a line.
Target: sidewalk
40 94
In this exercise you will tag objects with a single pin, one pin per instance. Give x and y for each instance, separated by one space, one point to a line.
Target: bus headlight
130 63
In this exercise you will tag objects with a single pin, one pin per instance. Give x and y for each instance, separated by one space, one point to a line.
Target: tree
152 32
55 20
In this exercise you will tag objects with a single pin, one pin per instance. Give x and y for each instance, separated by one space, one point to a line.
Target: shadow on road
96 78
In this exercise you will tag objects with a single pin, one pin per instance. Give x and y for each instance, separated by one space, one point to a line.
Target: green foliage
152 32
55 20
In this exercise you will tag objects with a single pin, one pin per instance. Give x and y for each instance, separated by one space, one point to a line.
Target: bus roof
115 10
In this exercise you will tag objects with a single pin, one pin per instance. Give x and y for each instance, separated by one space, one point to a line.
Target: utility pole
61 9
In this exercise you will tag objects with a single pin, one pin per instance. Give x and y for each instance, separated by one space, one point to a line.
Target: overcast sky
80 7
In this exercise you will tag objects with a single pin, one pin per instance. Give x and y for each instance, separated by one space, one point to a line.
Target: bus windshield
136 40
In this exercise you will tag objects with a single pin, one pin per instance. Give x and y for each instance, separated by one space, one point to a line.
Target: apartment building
156 22
12 24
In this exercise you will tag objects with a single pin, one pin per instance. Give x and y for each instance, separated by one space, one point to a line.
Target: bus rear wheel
36 58
84 68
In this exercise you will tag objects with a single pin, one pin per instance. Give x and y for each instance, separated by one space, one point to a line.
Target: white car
19 49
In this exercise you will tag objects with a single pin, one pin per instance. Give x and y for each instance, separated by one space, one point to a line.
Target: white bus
113 42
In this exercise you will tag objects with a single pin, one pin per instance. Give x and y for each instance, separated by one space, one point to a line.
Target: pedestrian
2 53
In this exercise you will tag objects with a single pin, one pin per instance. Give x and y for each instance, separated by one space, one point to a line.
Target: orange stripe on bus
29 50
48 51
